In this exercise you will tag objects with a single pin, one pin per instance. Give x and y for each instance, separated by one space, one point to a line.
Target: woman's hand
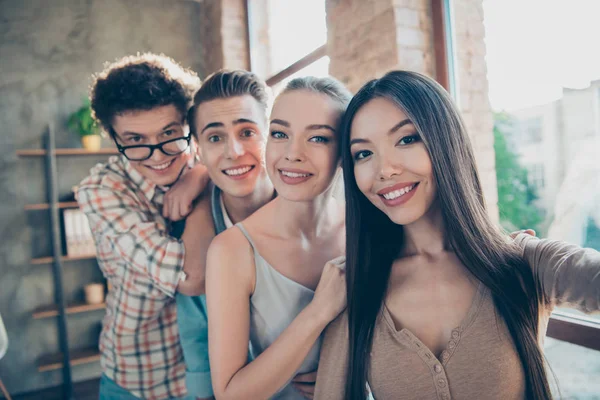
179 200
530 232
330 296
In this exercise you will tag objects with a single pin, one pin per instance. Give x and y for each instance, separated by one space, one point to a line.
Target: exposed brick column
234 32
366 39
361 40
414 36
223 35
473 93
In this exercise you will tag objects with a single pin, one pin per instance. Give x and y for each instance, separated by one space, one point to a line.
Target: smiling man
229 121
142 102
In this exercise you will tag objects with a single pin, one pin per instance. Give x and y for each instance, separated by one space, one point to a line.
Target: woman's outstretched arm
569 274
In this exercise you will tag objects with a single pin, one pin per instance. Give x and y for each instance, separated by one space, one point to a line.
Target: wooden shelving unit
66 152
52 310
56 361
65 358
46 206
48 260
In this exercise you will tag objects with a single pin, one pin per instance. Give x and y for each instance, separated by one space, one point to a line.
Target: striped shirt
139 343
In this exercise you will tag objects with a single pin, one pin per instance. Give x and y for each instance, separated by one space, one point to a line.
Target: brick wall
234 34
211 48
223 35
414 35
361 40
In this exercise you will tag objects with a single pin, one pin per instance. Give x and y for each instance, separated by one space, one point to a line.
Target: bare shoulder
230 255
231 242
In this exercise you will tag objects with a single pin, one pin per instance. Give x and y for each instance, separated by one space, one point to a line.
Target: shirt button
455 334
442 383
438 368
444 355
452 344
445 397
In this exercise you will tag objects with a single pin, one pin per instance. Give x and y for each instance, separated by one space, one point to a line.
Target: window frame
298 65
574 329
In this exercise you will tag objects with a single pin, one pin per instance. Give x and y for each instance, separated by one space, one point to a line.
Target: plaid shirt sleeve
141 242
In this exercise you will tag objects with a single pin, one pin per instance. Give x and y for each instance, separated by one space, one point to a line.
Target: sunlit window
296 27
543 71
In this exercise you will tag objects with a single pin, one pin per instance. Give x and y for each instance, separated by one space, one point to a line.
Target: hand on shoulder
179 200
330 295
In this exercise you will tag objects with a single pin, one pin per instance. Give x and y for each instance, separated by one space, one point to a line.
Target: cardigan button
438 368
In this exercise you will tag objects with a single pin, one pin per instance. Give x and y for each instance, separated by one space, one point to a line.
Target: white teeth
294 174
161 166
397 193
237 171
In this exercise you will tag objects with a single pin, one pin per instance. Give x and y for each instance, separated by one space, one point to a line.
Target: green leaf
516 196
82 122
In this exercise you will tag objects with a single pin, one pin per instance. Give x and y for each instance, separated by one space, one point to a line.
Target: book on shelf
78 235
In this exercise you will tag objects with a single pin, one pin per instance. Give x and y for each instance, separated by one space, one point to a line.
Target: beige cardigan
480 361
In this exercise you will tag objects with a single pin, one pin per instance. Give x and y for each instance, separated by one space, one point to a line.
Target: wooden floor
87 390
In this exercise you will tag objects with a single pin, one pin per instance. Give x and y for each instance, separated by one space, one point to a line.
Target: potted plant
82 122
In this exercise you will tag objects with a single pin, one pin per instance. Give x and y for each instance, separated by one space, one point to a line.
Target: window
531 130
536 176
556 101
291 36
296 28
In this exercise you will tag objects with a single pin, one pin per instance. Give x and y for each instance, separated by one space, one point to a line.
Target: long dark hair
373 241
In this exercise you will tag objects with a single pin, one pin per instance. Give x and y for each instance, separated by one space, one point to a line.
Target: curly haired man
132 203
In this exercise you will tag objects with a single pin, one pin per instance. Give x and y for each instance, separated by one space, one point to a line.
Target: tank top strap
245 232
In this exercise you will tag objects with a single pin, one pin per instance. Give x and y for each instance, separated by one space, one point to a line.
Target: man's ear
197 151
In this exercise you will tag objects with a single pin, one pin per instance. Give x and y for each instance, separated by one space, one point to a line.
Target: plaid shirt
139 343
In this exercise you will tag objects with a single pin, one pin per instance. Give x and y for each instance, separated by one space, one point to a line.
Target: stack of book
78 235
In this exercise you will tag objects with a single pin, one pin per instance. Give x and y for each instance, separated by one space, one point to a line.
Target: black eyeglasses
143 152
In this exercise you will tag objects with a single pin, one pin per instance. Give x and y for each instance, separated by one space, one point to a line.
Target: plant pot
94 293
91 142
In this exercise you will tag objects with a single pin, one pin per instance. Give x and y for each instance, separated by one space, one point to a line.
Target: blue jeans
109 390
